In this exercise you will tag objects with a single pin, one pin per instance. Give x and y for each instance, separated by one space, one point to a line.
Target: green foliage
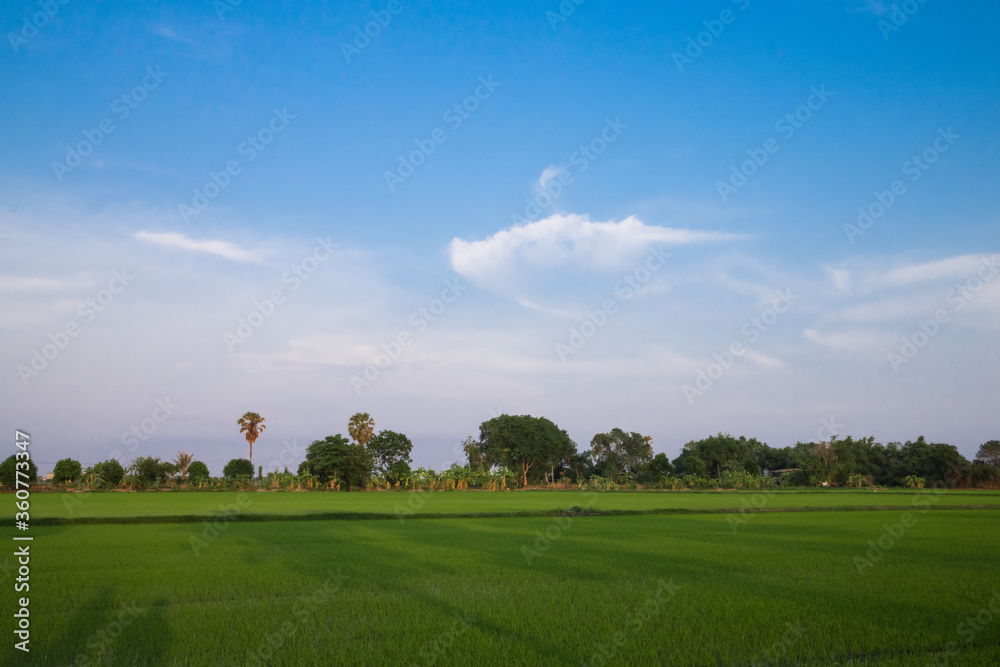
398 472
618 453
389 448
657 468
718 453
523 442
108 474
237 469
989 453
66 470
336 460
8 472
197 472
149 470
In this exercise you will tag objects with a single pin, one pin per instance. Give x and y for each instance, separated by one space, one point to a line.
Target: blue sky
524 209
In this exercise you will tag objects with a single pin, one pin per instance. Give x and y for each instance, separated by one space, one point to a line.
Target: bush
238 468
109 473
8 472
198 472
149 469
66 470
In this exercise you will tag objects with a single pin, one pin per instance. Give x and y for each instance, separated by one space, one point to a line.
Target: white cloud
212 247
849 340
32 285
841 279
510 257
961 267
548 174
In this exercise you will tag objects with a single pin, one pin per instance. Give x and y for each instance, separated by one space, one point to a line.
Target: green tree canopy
335 457
989 453
109 473
8 472
389 448
197 472
618 452
523 442
67 470
238 468
151 469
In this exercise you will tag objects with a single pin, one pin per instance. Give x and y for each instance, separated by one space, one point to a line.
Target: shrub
198 472
150 469
238 468
66 470
8 472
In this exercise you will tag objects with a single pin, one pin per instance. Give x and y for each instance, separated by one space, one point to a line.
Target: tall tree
335 457
989 453
251 424
182 462
524 441
389 448
477 455
361 427
618 452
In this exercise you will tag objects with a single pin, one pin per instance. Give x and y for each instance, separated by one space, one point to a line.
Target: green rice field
891 586
416 503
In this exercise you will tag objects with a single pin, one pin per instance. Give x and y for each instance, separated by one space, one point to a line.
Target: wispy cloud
876 7
565 240
32 285
212 247
563 250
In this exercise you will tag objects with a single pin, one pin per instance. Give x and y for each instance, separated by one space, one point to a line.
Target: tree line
522 450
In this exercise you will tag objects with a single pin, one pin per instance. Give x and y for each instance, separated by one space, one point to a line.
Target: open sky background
556 82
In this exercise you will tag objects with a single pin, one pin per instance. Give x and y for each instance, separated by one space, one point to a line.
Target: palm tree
361 427
252 424
182 462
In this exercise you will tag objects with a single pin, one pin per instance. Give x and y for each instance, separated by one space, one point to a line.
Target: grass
781 588
173 504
